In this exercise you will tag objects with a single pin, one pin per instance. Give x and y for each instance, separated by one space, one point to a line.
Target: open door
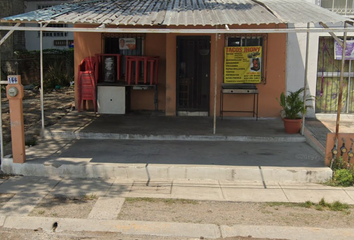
193 74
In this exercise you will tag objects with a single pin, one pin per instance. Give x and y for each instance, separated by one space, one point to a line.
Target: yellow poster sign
243 64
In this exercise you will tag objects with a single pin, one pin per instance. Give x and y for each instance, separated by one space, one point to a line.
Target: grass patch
90 197
161 200
322 205
41 212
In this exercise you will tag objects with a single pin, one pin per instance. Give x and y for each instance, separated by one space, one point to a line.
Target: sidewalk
29 191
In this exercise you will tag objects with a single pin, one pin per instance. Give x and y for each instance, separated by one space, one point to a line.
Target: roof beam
8 34
178 30
338 40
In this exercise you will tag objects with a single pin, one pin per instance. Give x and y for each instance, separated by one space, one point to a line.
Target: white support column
215 80
305 77
1 135
41 71
349 85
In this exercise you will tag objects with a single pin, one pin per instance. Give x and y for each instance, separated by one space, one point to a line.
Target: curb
171 229
117 136
167 229
169 172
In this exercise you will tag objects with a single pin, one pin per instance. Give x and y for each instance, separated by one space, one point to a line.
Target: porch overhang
155 16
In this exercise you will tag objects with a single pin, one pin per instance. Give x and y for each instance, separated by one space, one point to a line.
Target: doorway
193 74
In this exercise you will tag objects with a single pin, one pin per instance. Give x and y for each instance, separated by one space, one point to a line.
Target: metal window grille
343 7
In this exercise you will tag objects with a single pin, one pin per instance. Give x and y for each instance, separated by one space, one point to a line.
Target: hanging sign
243 64
349 50
127 43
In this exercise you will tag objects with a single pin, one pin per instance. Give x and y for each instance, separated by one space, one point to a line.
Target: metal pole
1 134
348 94
215 80
305 78
341 82
41 70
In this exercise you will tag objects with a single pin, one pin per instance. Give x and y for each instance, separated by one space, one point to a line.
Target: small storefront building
179 58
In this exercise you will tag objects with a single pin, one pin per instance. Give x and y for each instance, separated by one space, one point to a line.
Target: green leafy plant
343 173
339 164
343 177
293 104
56 76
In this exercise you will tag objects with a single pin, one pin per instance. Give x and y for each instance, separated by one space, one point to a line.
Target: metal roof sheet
180 12
300 11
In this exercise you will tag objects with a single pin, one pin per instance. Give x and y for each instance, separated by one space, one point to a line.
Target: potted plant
293 109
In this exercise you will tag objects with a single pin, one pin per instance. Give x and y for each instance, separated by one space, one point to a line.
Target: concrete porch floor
85 145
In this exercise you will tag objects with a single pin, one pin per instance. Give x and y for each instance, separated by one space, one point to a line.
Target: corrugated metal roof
154 12
180 12
300 11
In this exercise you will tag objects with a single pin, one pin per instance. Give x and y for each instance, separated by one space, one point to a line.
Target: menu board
243 64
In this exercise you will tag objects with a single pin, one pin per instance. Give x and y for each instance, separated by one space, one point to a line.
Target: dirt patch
232 213
4 198
56 105
64 207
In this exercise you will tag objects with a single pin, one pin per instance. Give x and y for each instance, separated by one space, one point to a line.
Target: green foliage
308 204
343 173
343 177
322 205
58 66
338 163
293 104
56 76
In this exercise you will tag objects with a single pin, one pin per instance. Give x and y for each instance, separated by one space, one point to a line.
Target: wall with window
89 44
164 46
275 75
296 59
51 40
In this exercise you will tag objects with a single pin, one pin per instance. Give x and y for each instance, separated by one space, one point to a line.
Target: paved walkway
29 191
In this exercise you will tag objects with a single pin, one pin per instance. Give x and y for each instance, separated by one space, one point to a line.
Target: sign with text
243 64
349 50
127 43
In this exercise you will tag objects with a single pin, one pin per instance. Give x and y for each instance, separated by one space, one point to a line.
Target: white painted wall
32 37
296 53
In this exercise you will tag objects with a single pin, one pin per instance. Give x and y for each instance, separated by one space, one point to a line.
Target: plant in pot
293 109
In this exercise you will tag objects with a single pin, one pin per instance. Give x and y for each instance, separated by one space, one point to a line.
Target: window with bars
111 46
344 7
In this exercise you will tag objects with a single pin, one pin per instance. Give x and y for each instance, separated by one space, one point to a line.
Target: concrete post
14 92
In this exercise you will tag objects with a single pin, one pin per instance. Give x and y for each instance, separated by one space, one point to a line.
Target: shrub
343 177
339 164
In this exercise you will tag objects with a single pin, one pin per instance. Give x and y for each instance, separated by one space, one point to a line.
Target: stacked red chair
87 81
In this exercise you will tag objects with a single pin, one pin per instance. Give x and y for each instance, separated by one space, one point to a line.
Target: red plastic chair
87 80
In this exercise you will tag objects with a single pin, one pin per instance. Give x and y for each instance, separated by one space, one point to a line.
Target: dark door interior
193 70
